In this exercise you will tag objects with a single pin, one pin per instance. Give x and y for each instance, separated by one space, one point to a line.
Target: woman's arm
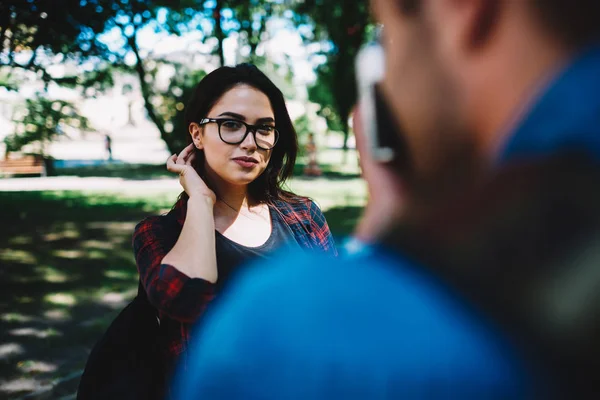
179 277
171 291
194 252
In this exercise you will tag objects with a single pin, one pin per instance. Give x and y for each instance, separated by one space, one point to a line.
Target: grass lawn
67 268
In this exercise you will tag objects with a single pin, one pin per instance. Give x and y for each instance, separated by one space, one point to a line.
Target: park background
74 71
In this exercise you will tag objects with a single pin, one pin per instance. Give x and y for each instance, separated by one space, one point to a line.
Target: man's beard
455 165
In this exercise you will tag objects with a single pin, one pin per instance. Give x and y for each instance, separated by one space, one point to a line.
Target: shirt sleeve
321 230
172 292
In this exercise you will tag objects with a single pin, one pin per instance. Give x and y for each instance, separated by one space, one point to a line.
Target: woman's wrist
202 198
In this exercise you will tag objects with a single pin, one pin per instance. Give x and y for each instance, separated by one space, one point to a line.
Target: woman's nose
249 142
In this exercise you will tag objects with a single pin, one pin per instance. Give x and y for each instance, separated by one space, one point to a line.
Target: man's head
459 71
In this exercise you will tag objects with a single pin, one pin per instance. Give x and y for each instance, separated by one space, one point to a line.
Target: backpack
128 361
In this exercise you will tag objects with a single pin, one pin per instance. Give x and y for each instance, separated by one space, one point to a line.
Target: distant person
474 271
108 146
234 208
312 167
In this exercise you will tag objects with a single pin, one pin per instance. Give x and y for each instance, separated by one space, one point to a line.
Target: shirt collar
565 117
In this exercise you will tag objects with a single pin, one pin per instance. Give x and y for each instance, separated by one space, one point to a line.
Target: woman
243 147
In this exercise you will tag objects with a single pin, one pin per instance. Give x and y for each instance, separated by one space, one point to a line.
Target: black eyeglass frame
249 128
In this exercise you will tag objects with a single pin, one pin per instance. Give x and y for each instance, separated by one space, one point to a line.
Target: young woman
243 147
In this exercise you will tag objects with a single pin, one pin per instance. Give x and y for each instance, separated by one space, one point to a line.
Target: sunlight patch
112 226
15 317
10 349
62 299
117 274
33 332
52 274
66 234
113 298
96 255
97 244
29 366
57 315
20 240
25 257
72 254
20 385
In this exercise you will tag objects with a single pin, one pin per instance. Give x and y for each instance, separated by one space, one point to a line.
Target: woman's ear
196 134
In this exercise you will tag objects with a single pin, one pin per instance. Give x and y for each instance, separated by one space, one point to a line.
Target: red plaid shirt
181 300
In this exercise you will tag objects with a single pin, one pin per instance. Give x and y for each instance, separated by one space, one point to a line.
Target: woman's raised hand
193 185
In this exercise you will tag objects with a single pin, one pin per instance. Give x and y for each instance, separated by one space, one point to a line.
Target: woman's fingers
185 153
173 165
191 158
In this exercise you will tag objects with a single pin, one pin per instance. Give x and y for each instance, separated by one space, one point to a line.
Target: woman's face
241 163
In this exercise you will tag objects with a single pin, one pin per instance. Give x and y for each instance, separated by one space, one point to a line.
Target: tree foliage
35 34
40 121
343 25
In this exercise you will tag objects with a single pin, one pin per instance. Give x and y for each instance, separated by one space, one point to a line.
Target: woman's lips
246 162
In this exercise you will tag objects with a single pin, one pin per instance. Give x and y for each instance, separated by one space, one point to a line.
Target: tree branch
146 92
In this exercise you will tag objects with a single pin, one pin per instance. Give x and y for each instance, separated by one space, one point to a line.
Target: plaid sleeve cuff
179 296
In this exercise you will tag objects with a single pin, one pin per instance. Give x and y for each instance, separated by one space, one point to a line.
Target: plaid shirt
181 300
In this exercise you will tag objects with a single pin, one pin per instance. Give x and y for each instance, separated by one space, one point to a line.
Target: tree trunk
219 31
146 93
346 130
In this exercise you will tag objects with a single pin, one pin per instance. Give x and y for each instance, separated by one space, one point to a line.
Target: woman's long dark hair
269 185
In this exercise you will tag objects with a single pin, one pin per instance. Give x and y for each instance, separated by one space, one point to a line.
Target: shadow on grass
118 170
342 220
66 270
328 171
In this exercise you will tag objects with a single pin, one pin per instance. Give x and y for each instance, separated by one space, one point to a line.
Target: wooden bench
26 165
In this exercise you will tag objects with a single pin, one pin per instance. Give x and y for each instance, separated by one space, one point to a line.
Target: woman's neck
234 196
236 199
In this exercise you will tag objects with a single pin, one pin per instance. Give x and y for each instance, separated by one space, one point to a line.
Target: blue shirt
375 326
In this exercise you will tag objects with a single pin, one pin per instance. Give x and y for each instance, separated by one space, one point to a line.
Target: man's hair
575 22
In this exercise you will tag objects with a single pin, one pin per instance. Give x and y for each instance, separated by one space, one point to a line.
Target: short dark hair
575 22
269 185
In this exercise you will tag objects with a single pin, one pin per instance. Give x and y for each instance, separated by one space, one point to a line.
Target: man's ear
196 134
486 14
466 25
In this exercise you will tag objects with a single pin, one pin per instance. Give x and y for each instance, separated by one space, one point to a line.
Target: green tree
343 27
40 121
46 28
72 28
247 18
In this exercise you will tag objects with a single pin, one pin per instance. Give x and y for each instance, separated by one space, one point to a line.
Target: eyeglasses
234 131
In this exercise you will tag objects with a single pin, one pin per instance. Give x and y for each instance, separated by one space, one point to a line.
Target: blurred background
92 97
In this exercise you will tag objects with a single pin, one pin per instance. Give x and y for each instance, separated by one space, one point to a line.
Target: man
481 280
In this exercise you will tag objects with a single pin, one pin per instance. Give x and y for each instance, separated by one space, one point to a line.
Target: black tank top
231 255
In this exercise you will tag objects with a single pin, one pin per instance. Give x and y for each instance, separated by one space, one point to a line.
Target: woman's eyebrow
232 114
259 121
265 120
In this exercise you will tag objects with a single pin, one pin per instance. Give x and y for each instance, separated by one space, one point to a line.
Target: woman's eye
232 124
266 130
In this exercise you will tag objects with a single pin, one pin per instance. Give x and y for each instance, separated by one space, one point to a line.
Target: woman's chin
241 180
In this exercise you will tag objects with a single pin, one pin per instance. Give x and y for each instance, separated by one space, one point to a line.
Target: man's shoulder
380 290
378 316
